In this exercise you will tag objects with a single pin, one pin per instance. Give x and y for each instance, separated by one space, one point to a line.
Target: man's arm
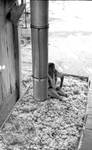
52 83
61 76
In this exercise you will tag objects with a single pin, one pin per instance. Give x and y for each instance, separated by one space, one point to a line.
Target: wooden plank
7 98
77 76
1 8
10 54
17 58
0 92
9 5
9 57
1 22
4 61
16 13
7 105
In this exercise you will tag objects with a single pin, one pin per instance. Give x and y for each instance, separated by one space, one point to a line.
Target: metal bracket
40 27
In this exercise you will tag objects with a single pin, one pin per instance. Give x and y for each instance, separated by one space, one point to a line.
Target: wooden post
39 25
9 56
9 76
17 58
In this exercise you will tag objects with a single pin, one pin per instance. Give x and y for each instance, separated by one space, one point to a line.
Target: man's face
52 68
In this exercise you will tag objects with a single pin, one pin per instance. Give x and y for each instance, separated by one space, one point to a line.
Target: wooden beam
17 58
77 76
15 13
9 57
9 5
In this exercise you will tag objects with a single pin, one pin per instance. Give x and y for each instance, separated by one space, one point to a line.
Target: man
53 90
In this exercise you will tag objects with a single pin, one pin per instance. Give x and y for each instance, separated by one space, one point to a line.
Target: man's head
51 67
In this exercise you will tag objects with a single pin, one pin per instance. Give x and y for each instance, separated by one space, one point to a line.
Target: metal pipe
39 32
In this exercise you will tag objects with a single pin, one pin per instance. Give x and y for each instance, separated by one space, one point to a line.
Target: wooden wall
9 58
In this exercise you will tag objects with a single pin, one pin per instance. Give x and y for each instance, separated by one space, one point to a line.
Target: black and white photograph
45 75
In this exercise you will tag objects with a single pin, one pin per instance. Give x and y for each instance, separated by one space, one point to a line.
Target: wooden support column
14 12
17 58
9 56
9 76
39 32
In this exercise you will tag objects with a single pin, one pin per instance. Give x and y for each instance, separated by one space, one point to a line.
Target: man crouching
53 90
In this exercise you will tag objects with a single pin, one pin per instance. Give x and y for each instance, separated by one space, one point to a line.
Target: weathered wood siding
9 57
